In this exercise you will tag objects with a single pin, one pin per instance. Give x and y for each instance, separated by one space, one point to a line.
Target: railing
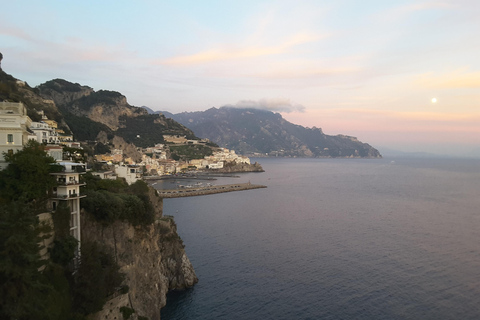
69 183
68 196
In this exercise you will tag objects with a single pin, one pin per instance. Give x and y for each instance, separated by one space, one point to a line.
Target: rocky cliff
89 112
152 258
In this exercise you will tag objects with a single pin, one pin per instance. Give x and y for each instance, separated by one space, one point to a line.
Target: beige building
176 139
14 124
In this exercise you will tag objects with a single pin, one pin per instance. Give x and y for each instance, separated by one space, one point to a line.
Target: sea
392 238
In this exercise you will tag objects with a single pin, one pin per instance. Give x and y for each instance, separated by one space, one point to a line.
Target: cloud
10 31
232 52
275 105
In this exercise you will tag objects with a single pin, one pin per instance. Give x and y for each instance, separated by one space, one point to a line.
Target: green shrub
126 312
63 251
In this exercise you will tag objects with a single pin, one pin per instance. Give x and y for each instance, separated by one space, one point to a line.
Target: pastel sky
369 69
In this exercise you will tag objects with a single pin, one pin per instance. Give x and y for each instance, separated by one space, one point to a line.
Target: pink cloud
232 52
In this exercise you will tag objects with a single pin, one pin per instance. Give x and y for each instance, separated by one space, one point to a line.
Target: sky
369 69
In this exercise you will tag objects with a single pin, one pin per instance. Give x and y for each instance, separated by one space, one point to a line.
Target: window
10 138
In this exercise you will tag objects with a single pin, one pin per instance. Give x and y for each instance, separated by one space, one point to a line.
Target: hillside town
16 128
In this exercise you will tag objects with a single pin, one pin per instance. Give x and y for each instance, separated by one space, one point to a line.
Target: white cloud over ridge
274 105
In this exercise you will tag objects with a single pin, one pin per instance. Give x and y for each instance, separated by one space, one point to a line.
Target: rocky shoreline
152 258
240 167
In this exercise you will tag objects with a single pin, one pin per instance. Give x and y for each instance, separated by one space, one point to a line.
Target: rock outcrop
110 112
63 92
152 258
240 167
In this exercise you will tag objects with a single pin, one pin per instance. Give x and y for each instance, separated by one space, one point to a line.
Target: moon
434 100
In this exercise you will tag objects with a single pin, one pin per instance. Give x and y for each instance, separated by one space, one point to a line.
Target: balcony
57 196
70 183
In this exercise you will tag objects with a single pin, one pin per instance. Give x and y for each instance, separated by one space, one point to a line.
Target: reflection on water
335 239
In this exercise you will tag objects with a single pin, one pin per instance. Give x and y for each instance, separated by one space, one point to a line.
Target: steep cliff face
129 149
63 92
100 106
152 258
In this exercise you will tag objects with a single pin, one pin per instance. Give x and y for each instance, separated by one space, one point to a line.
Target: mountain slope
89 112
249 131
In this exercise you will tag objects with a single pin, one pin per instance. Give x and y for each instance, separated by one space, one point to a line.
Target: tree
96 279
64 245
23 288
27 177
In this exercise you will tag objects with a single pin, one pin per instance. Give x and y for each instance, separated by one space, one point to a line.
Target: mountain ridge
88 113
260 132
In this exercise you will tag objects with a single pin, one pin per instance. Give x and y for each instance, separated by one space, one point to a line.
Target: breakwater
200 191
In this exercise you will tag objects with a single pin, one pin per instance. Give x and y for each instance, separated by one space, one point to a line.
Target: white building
130 172
14 123
110 175
44 132
68 190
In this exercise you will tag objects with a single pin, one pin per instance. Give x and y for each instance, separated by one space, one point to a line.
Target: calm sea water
335 239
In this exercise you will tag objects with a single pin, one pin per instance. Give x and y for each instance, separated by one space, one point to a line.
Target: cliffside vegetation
27 177
112 200
194 151
31 287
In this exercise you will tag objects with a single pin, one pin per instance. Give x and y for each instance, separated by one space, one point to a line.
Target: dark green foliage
126 312
97 277
61 300
101 148
90 180
8 88
27 177
110 200
138 188
61 220
83 128
61 86
100 97
186 152
142 130
150 128
105 206
24 290
118 185
63 250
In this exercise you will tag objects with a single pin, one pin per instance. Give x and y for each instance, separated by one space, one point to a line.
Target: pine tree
23 288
